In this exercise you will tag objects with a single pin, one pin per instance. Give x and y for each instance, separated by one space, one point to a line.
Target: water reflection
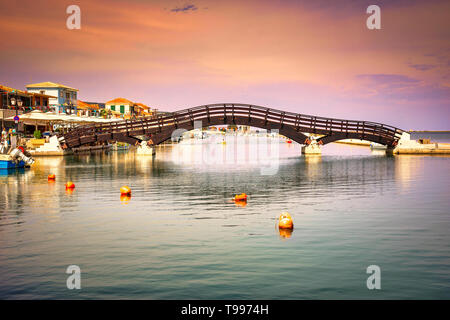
194 185
181 226
285 233
406 169
125 198
241 204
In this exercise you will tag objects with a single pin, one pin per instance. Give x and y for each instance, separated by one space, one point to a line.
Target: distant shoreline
430 131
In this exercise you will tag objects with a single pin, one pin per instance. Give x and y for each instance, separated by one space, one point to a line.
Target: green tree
37 134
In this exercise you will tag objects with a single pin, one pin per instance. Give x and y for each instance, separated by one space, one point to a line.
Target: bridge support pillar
312 149
145 149
390 150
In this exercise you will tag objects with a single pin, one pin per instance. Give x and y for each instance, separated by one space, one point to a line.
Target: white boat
377 146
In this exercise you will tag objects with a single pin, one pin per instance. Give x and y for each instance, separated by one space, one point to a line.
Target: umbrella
35 117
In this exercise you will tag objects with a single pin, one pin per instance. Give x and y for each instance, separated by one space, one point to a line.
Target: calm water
181 237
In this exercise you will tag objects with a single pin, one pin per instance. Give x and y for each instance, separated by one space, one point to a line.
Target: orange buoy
125 190
51 177
240 197
285 221
70 185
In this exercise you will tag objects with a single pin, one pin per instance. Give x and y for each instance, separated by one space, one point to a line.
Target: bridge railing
300 122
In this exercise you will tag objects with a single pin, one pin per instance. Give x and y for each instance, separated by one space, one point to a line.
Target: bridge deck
289 123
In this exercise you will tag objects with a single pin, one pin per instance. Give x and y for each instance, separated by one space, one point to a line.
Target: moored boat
17 158
8 162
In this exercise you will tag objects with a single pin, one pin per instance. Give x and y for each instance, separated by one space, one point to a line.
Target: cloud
422 67
398 88
186 8
386 82
386 78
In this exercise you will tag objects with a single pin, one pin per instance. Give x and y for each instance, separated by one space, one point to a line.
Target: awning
38 117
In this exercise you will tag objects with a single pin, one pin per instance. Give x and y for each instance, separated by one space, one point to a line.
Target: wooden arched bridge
291 125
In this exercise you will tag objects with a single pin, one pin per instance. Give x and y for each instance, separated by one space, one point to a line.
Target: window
113 108
122 109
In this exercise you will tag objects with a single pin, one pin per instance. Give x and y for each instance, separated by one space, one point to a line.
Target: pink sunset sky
313 57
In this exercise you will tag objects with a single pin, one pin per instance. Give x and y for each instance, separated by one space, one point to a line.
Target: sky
313 57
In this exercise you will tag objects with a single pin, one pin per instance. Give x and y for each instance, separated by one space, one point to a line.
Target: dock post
145 149
312 148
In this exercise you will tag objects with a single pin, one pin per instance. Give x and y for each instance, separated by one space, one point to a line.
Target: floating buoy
70 185
125 190
51 177
240 197
285 221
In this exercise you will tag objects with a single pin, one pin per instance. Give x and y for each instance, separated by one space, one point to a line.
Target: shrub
37 134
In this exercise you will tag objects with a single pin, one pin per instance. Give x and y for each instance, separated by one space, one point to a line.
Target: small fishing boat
377 146
7 162
15 159
120 146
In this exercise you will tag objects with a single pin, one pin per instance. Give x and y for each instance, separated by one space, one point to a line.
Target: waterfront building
87 109
100 105
127 109
121 105
143 110
29 101
64 97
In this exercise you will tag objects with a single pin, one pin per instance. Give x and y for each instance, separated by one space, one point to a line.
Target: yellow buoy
125 190
240 197
51 177
70 185
285 221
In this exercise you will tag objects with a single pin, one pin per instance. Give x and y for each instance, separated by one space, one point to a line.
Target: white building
65 95
121 105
